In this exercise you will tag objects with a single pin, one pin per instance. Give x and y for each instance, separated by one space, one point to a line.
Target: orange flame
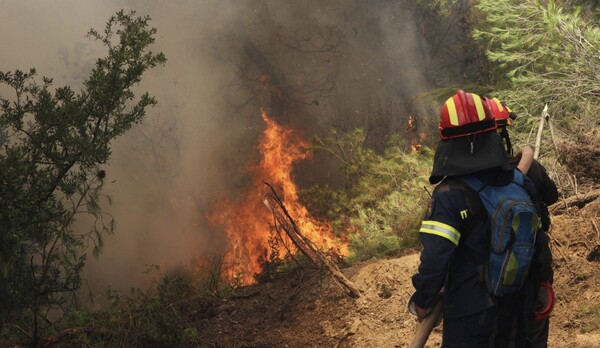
417 138
411 124
247 222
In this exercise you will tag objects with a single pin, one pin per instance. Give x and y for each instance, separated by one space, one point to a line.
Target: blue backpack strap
473 183
478 185
523 181
519 178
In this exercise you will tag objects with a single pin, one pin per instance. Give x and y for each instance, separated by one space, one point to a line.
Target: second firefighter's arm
525 156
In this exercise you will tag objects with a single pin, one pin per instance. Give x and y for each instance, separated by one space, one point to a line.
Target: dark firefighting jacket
545 188
455 237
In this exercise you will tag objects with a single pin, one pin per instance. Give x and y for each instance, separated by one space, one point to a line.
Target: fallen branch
290 229
578 201
305 245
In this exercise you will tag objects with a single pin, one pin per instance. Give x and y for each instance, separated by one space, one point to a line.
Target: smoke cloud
339 64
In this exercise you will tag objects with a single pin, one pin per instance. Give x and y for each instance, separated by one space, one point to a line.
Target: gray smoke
331 64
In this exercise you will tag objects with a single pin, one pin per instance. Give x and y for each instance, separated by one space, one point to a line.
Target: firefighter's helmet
465 114
501 113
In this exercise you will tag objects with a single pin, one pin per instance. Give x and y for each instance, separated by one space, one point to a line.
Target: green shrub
54 142
157 317
383 200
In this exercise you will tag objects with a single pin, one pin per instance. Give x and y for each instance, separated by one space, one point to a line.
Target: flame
411 124
412 132
247 222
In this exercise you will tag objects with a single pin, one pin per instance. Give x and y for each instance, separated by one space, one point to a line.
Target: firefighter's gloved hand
421 313
545 301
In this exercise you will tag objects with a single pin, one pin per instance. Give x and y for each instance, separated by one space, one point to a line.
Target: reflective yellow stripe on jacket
440 229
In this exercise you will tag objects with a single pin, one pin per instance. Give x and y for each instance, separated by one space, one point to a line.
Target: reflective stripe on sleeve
440 229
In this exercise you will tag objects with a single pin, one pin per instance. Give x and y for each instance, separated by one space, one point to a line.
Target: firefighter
455 233
547 194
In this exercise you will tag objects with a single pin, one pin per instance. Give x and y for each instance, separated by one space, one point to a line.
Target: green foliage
374 237
157 317
54 142
383 201
544 54
445 7
142 319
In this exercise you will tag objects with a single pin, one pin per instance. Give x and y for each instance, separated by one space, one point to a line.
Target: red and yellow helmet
500 112
465 114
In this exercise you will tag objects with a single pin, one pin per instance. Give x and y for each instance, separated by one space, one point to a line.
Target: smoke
330 64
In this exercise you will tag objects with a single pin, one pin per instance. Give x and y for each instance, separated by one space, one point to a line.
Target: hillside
307 309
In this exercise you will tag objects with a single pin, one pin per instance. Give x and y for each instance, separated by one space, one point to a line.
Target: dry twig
575 200
538 138
305 245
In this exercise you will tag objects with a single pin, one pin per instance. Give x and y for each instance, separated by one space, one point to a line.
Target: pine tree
545 53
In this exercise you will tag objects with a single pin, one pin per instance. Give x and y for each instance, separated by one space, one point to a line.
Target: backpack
514 223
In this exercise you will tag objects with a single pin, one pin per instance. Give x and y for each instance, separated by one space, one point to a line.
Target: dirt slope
307 309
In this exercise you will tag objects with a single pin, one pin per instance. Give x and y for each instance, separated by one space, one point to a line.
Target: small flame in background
417 139
247 222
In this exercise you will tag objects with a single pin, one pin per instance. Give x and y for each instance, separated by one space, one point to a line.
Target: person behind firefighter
547 194
455 234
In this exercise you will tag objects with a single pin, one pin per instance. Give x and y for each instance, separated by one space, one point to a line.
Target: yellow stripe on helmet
479 106
452 113
499 104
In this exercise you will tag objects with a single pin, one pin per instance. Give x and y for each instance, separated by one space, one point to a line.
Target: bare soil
307 309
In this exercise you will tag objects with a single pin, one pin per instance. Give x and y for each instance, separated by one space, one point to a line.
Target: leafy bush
157 317
54 141
384 198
